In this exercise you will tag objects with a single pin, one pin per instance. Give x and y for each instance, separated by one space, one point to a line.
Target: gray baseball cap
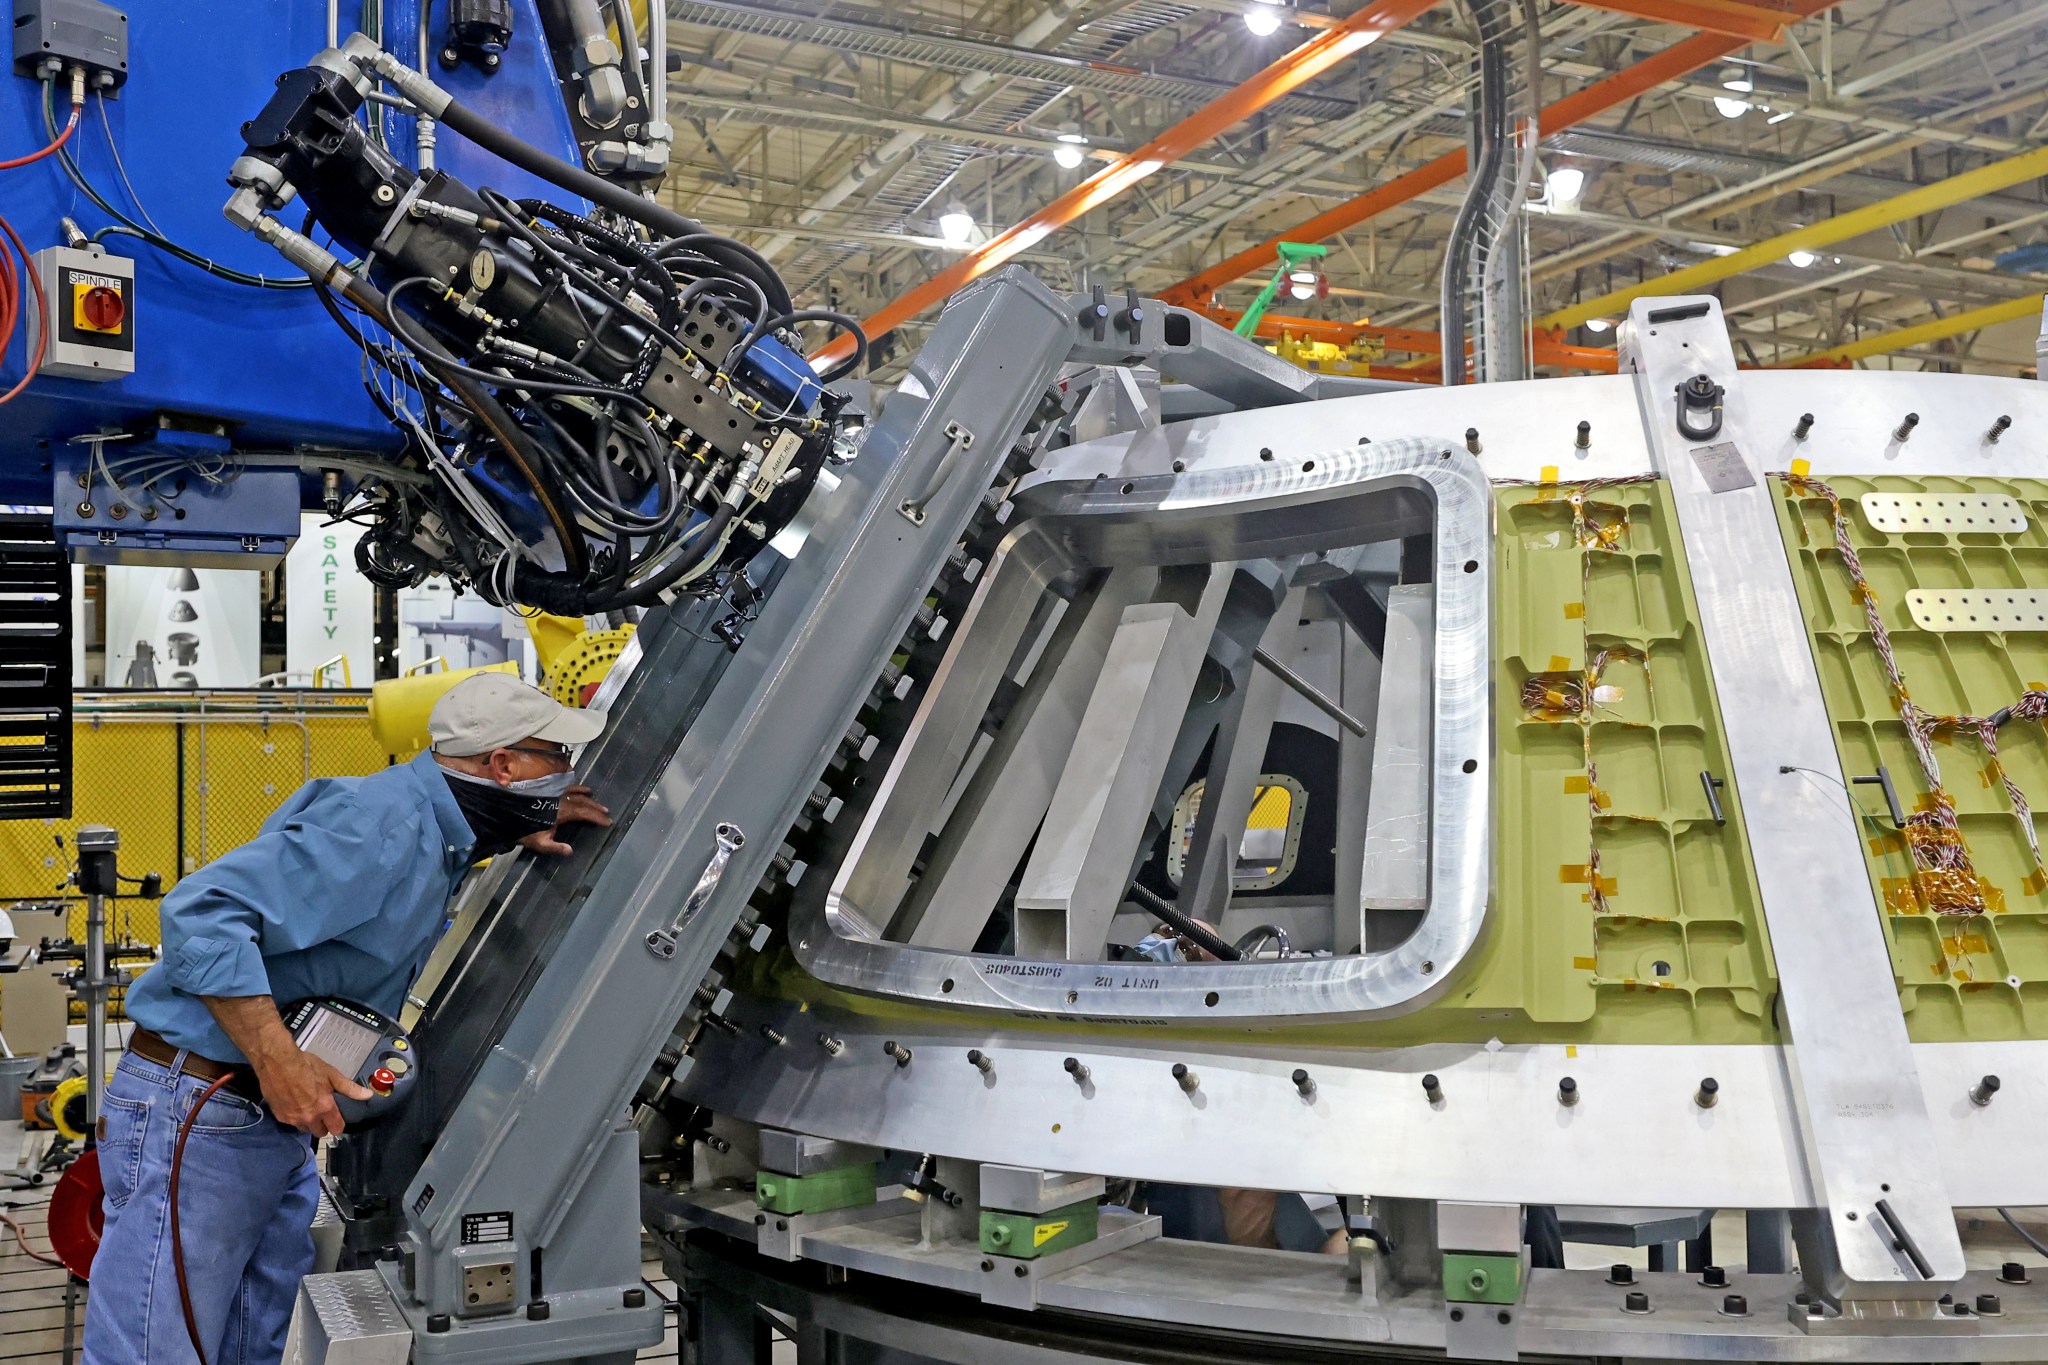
495 710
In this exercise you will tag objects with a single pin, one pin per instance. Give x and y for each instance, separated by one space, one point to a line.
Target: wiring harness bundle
1944 880
602 409
1565 696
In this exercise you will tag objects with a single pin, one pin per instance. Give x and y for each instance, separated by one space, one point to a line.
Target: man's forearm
252 1024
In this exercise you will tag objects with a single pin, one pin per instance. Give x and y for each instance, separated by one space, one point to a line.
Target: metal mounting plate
1945 514
1978 609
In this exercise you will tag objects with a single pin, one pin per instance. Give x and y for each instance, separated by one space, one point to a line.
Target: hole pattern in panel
1959 609
1944 513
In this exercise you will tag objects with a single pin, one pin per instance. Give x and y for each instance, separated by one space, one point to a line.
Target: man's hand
298 1087
578 807
300 1090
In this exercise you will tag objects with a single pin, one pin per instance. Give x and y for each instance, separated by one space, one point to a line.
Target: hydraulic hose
430 99
1187 926
511 437
523 154
177 1237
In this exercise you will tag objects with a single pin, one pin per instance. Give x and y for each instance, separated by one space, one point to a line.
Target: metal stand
97 878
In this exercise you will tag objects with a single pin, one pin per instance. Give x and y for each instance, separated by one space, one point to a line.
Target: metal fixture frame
1250 506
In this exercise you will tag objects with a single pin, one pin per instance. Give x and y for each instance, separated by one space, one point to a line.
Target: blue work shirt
343 893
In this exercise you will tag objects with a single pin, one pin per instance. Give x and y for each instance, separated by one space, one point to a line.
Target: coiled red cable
10 303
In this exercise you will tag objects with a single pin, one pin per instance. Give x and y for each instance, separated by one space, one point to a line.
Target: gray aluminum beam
1863 1114
527 1135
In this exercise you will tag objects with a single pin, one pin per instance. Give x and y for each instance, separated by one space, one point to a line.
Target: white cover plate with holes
1945 513
1988 609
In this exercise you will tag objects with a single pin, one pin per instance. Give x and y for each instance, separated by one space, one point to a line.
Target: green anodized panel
1472 1278
1027 1236
842 1187
1978 976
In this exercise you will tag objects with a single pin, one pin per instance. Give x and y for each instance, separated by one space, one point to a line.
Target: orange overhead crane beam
1306 62
1671 64
1550 347
1730 18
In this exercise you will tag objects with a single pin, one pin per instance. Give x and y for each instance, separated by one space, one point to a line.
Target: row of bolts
1706 1096
1902 433
1737 1305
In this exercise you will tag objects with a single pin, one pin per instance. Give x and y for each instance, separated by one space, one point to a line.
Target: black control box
83 33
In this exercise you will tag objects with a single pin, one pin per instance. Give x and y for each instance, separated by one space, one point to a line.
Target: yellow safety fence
183 777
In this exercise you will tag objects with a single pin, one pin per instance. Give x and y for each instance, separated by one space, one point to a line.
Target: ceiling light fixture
1730 107
1801 259
1598 324
956 224
1736 79
1564 185
1071 149
1263 18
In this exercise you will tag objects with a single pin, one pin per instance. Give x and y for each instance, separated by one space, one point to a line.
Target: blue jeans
246 1201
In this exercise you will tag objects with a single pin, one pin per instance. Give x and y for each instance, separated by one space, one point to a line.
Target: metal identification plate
1723 467
1987 609
1945 514
478 1228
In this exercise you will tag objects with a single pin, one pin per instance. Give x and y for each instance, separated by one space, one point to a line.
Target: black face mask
499 817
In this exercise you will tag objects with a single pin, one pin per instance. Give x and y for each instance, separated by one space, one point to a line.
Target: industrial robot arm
612 408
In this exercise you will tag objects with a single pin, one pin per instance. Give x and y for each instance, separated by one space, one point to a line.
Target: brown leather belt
152 1047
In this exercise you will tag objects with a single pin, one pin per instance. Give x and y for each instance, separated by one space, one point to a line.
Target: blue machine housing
772 366
268 365
245 522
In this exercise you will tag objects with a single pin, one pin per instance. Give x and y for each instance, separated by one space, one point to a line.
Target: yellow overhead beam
1913 203
1905 338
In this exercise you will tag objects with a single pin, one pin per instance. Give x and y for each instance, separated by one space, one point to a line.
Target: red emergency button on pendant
381 1080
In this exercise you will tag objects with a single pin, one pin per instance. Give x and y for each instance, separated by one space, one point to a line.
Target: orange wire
10 306
62 138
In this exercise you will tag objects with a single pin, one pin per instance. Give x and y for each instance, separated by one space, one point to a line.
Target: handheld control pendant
368 1047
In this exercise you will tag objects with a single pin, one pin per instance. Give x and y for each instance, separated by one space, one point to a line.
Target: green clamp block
842 1187
1027 1236
1481 1279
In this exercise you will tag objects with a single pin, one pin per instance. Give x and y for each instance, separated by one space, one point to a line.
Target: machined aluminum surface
1867 1134
2004 610
1292 500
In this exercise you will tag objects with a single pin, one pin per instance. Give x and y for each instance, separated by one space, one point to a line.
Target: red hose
62 138
10 303
178 1242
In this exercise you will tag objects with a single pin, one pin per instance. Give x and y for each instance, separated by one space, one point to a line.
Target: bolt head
1735 1305
1636 1302
1714 1276
1621 1273
2012 1272
1989 1303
